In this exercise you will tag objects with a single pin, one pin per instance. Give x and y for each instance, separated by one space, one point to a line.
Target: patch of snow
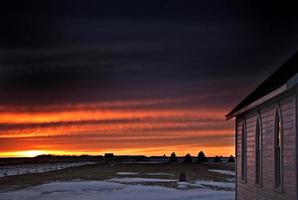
187 185
215 185
94 190
182 185
207 184
226 172
231 180
159 174
79 186
127 173
140 180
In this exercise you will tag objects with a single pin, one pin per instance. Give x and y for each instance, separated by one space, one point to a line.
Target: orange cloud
99 127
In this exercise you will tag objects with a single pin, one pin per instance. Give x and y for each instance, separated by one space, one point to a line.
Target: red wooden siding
249 190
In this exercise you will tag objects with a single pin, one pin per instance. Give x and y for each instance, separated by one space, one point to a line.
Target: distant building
109 155
266 137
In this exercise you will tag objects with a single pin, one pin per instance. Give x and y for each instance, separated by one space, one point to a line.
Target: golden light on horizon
180 151
27 153
88 129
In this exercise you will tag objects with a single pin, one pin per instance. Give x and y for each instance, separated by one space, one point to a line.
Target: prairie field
124 181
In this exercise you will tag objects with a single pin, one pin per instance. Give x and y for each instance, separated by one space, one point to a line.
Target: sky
133 77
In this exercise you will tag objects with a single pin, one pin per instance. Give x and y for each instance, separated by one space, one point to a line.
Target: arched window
258 151
243 152
278 178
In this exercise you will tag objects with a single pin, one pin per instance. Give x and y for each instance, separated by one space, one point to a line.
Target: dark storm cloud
83 51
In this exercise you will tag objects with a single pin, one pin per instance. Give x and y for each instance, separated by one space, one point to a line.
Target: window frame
278 150
243 172
258 152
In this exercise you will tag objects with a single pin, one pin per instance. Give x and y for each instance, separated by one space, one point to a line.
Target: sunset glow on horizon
119 127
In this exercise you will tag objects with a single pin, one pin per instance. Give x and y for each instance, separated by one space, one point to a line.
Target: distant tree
187 158
231 159
173 157
216 159
201 157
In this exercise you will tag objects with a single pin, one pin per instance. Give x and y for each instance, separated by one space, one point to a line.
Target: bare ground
105 171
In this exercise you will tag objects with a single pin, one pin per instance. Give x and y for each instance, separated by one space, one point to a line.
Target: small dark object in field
231 159
201 157
187 158
173 157
217 159
182 177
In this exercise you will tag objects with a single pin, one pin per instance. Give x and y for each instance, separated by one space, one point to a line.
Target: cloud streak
104 126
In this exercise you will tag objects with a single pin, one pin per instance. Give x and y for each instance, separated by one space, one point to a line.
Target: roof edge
293 81
281 76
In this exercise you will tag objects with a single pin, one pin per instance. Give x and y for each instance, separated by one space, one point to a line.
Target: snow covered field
11 170
110 190
141 180
118 182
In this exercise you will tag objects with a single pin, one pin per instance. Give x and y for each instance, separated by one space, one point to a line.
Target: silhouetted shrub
201 157
173 157
216 159
187 158
231 159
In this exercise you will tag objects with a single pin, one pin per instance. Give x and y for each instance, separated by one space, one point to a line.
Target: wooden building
266 137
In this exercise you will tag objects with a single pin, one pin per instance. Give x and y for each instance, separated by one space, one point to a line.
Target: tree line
201 158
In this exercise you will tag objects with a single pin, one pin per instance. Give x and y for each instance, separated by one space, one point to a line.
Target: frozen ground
120 182
150 174
126 173
159 174
107 190
226 172
11 170
140 180
215 185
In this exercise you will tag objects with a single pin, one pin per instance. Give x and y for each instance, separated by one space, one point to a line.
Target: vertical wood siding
249 190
